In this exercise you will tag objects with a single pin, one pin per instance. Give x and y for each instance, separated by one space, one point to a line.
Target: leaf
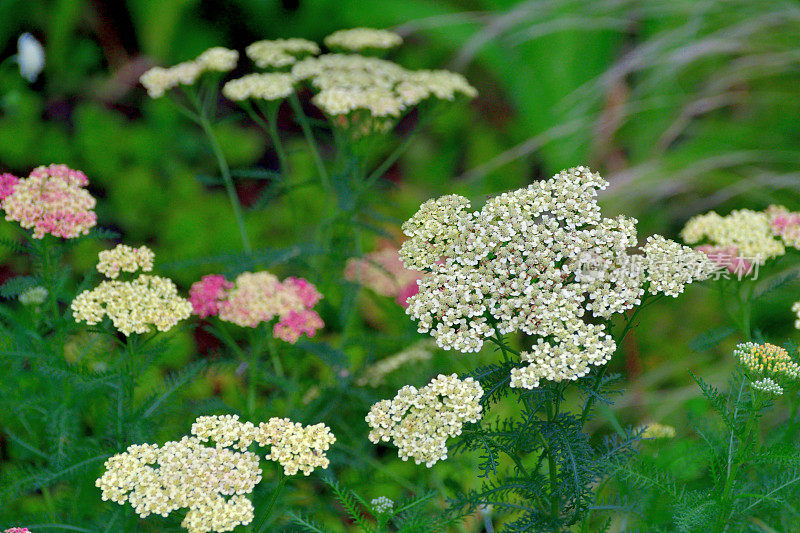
711 338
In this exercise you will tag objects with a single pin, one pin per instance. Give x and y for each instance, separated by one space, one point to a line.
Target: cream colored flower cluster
419 421
133 306
296 447
356 39
351 83
210 482
270 86
536 260
375 375
767 360
744 233
159 80
280 52
126 259
656 431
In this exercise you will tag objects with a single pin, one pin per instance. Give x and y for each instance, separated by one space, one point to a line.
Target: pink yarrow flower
207 294
17 530
384 273
7 183
407 292
52 200
727 257
295 323
257 297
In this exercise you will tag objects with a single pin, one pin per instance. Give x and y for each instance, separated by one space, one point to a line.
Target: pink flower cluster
17 530
51 200
727 257
7 183
384 273
785 224
256 297
206 294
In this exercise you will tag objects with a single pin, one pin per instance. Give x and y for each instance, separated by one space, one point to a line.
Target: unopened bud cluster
767 365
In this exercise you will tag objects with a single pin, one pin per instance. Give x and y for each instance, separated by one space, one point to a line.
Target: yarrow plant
134 306
51 200
211 482
260 297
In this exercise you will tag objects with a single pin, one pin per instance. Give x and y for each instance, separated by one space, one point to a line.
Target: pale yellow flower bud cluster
767 361
748 231
280 52
225 431
419 421
126 259
356 39
296 447
133 306
159 80
375 375
537 260
656 431
270 86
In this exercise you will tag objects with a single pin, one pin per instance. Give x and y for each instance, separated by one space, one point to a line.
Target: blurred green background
684 106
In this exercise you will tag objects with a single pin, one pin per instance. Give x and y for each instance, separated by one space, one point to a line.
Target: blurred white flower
30 56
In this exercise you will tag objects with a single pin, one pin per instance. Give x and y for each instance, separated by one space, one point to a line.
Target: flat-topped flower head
255 298
207 294
367 94
540 260
126 259
135 306
785 224
295 447
226 431
280 52
748 232
357 39
211 482
767 360
17 530
270 86
796 311
52 200
7 183
159 80
419 421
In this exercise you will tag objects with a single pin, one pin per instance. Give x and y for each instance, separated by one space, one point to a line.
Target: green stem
555 510
273 499
731 471
225 170
272 128
312 143
273 355
252 374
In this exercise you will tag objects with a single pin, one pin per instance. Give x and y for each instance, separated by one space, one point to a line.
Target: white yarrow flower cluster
767 385
270 86
382 505
280 52
747 232
375 375
356 39
796 311
296 447
536 260
159 80
211 482
125 258
33 296
419 421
